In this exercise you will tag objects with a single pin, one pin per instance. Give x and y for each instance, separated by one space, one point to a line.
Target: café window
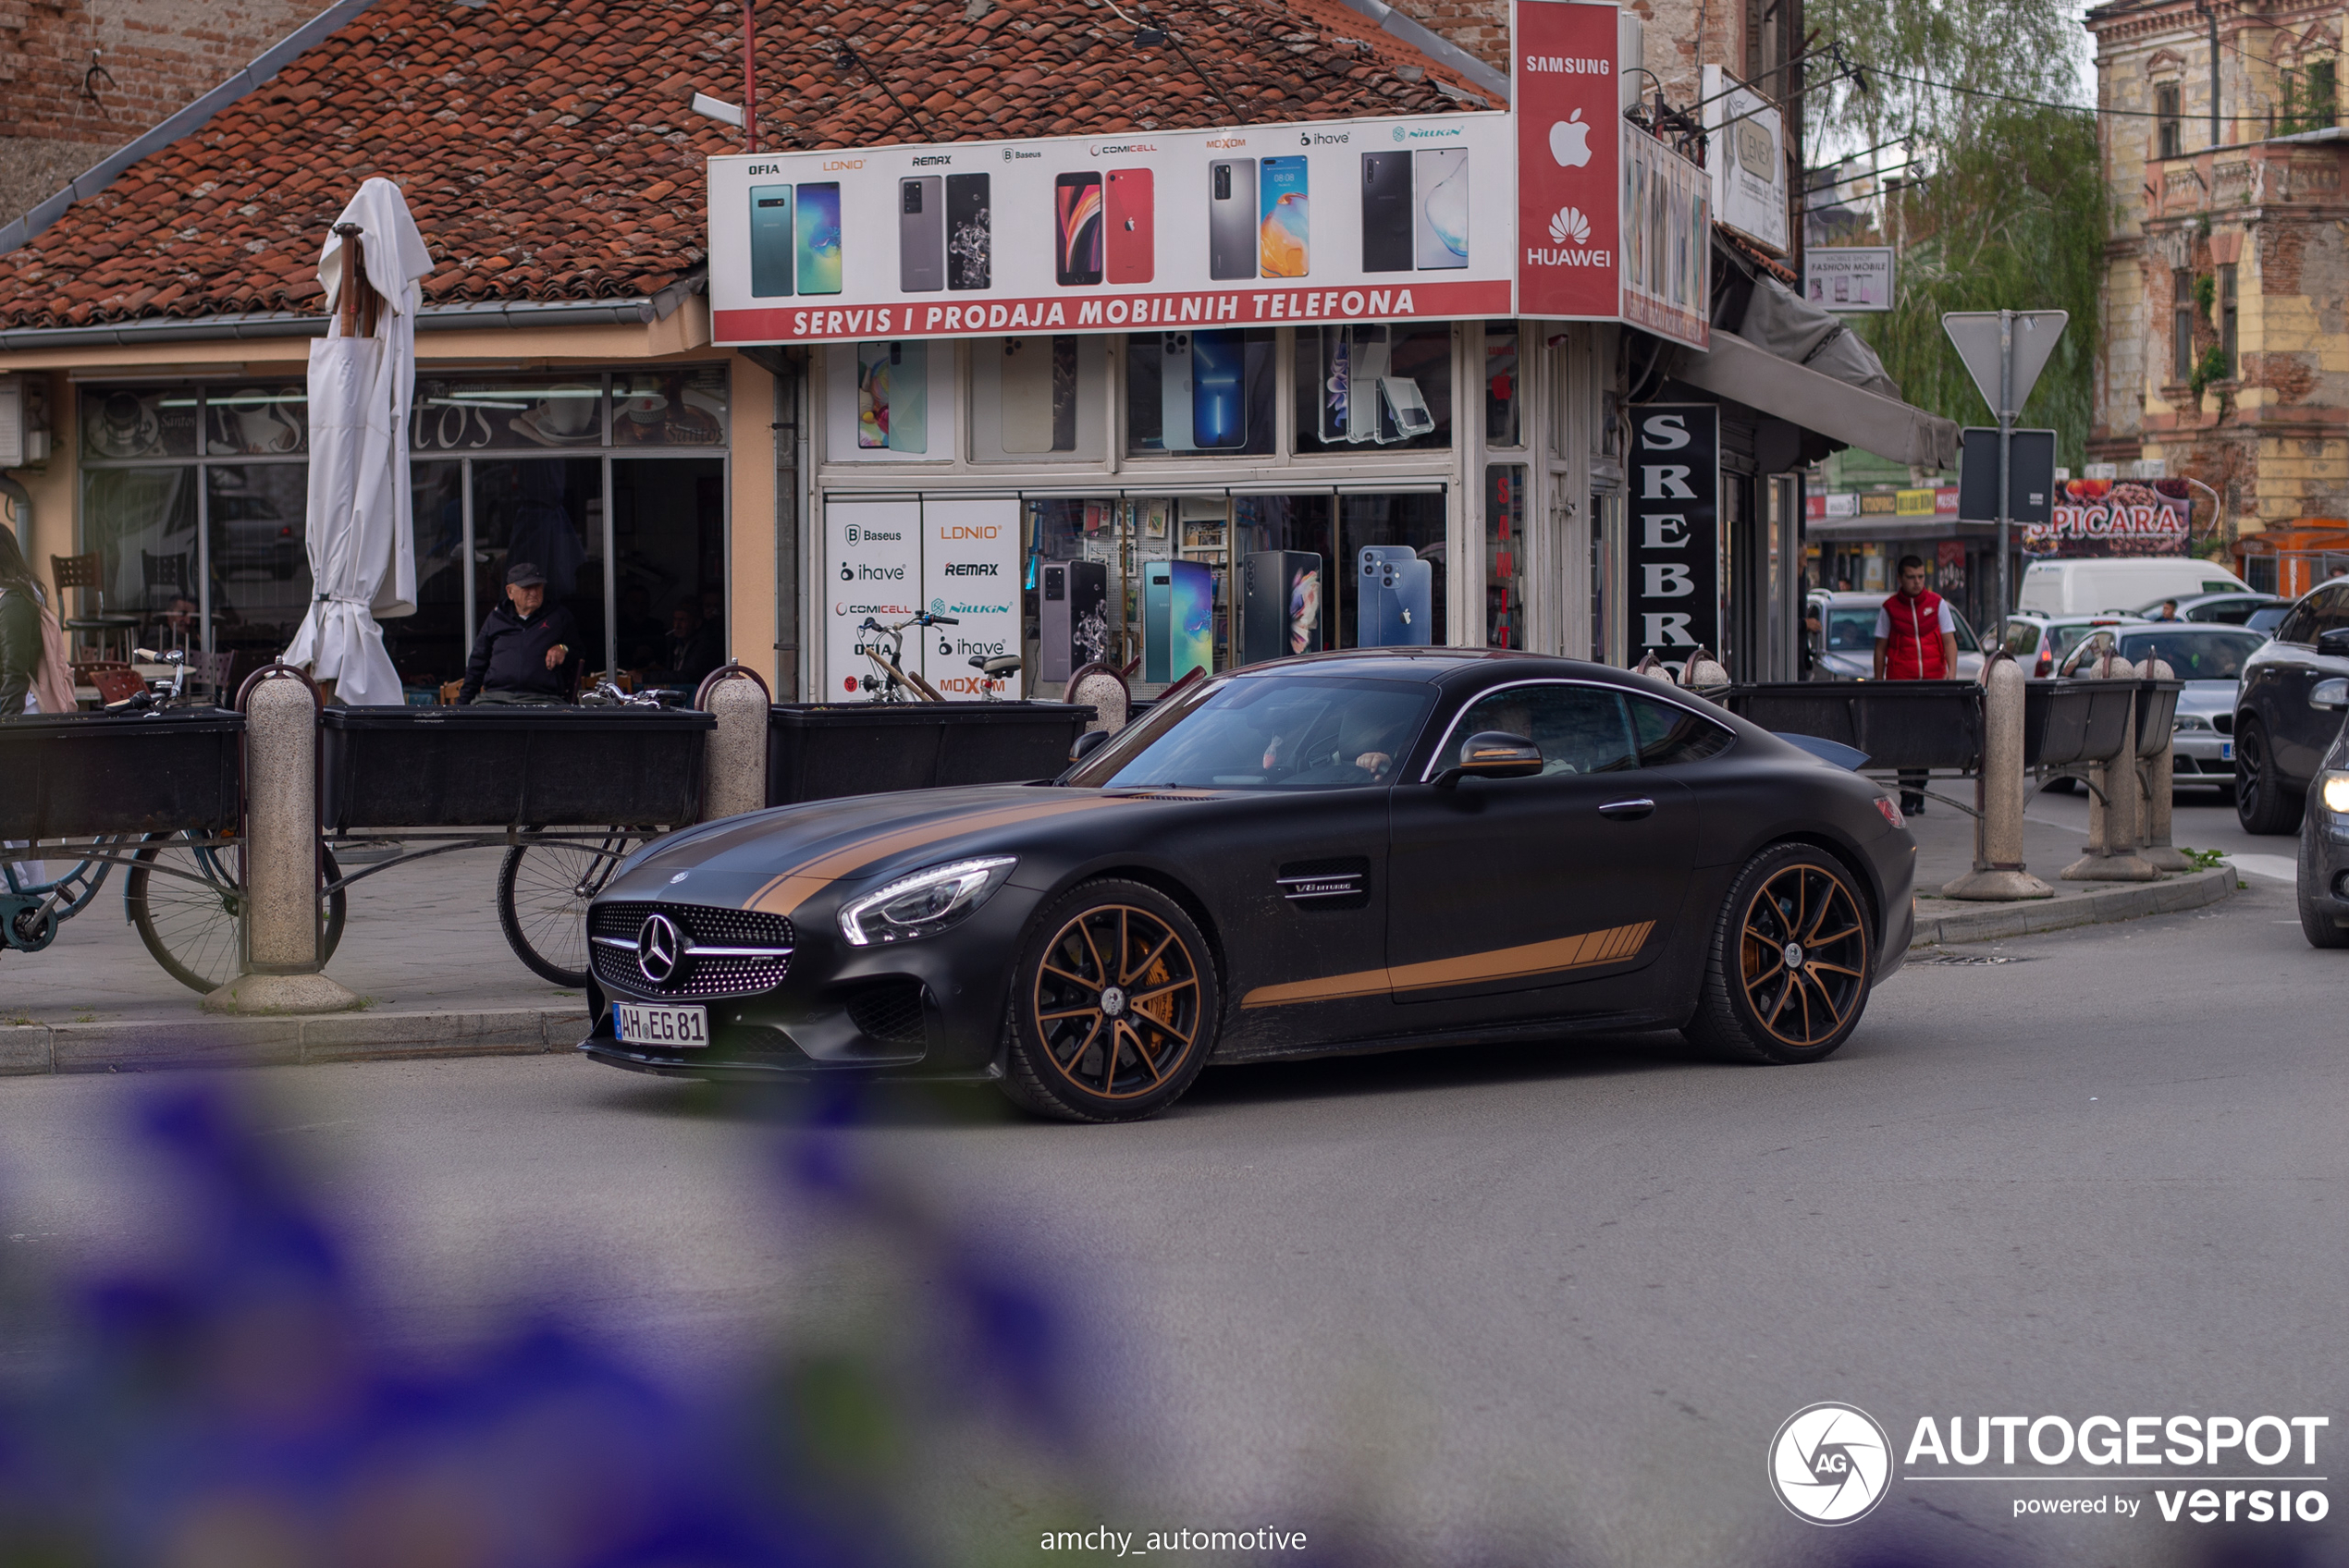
1199 393
195 499
1364 387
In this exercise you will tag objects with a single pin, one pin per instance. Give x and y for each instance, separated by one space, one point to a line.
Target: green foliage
2206 293
2211 367
2005 205
2204 859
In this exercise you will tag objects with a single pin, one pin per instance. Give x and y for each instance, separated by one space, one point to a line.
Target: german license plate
677 1028
2226 751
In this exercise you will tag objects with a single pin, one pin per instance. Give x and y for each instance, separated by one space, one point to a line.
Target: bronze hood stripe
1585 952
784 894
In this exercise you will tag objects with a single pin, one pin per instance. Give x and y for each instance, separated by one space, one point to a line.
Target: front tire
1114 1006
2316 922
2262 804
1787 975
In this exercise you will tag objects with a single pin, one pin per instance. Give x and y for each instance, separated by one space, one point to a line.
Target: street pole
2006 439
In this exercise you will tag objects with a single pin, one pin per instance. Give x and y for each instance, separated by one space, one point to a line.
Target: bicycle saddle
998 666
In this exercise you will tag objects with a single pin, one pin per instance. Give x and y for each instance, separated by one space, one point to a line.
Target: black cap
522 574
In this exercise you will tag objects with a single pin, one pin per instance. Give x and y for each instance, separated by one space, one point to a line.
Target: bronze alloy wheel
1788 974
1803 955
1114 1007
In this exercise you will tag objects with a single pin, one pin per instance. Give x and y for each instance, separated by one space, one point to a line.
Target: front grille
2224 723
889 1010
700 925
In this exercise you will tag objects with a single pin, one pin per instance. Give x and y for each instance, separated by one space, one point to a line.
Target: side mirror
1086 745
2331 694
2334 643
1493 755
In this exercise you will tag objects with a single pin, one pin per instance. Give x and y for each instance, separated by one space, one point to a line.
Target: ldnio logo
964 531
1830 1464
843 162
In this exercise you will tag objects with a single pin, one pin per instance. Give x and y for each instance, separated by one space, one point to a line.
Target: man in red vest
1916 639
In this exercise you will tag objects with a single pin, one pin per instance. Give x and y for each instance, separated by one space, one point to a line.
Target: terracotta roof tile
548 152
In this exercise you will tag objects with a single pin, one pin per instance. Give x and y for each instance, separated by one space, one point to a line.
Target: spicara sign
2098 517
1327 221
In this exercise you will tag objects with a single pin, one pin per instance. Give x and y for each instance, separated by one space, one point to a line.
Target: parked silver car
1843 645
2209 660
2040 642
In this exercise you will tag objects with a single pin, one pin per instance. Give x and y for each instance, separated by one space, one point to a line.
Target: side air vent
1323 885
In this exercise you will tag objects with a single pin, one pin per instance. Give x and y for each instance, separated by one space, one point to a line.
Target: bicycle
890 680
182 893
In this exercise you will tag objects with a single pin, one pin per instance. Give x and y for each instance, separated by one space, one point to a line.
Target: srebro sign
1323 221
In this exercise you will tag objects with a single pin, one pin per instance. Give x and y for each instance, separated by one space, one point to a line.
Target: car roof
1472 667
2175 628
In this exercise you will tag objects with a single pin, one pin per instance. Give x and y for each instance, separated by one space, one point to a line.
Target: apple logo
1570 141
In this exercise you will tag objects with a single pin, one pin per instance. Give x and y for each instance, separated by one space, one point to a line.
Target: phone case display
770 241
1037 393
816 224
1386 211
921 234
1280 605
969 233
1175 393
1373 385
1282 228
1132 237
1440 207
1178 620
892 396
1219 402
1073 617
1393 598
1231 218
1158 598
1076 214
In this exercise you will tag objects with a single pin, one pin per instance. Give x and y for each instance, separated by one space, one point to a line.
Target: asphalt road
1540 1304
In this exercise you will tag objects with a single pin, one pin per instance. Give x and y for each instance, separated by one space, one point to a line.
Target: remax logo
1568 227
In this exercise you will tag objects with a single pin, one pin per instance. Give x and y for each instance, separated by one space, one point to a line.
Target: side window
2332 604
2300 625
1669 734
1580 729
2022 638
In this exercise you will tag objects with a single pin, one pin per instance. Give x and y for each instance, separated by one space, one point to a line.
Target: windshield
1269 732
2211 656
1852 630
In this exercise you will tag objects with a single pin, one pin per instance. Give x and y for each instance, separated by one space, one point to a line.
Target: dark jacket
20 647
695 654
511 655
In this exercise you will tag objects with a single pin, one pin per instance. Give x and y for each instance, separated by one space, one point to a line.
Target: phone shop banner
1323 221
1569 159
1673 553
887 560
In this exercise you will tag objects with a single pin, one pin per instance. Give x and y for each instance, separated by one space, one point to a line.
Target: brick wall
161 54
1481 27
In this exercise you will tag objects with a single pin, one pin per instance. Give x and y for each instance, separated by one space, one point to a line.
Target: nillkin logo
1568 227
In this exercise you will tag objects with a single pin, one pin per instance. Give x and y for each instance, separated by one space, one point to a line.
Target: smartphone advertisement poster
1326 221
1673 547
1568 209
892 559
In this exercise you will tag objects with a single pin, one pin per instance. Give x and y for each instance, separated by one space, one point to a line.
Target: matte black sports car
1343 853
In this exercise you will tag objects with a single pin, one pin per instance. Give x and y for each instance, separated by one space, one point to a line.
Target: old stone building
2225 353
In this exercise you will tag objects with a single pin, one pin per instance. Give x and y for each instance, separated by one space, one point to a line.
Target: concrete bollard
2112 806
279 854
1704 675
2155 772
1998 870
734 779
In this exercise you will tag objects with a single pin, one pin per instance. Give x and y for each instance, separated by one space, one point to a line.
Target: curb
2130 901
140 1045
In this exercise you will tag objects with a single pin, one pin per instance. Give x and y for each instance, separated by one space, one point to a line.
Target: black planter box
511 766
69 776
2156 712
1902 724
821 750
2067 723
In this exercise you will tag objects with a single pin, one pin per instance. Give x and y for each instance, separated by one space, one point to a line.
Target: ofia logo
1830 1464
1568 227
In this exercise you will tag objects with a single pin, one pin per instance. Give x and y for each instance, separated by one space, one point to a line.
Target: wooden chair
114 680
448 690
87 573
212 669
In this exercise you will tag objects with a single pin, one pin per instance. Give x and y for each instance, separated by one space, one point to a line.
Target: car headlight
2191 721
924 903
2336 791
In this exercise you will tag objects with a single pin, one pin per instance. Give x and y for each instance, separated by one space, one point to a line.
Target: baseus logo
1830 1464
1568 227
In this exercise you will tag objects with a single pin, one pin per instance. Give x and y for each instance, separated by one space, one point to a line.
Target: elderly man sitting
523 654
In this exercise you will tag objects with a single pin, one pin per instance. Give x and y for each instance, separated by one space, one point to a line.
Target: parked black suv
2281 737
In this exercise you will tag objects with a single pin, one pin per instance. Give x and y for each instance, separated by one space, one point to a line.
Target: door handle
1627 811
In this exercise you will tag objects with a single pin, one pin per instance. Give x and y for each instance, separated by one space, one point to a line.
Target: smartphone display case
770 242
816 226
1283 229
1076 208
1231 218
921 234
969 232
1132 235
1280 605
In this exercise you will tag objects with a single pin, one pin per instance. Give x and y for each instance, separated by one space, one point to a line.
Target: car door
1541 896
2300 735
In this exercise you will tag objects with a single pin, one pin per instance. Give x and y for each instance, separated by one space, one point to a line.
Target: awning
1891 429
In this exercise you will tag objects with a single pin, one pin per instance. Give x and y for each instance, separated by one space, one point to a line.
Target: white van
2120 582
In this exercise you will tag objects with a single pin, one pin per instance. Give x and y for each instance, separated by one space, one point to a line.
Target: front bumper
2324 861
2202 756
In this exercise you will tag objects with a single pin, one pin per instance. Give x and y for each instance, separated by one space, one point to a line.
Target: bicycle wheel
191 926
542 903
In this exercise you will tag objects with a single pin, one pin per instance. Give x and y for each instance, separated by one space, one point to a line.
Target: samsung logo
1568 65
933 159
971 569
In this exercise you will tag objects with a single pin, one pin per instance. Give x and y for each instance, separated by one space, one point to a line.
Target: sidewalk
2054 835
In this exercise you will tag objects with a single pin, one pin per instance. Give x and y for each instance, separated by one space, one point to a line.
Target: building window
1374 387
2164 108
1200 394
2182 326
2316 110
2227 317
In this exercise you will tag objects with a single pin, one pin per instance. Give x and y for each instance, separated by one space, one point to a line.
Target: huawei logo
1568 227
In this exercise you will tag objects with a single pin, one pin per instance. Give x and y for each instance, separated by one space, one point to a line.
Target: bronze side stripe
1585 952
784 894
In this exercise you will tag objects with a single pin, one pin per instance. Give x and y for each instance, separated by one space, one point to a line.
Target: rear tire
1791 958
1114 1006
543 892
2262 804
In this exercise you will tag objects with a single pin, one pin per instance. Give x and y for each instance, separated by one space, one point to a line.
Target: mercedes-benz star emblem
657 948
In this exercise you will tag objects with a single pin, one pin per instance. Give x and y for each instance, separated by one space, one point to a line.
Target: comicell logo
1830 1464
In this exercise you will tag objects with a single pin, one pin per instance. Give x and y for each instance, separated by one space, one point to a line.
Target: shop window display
1504 575
1367 387
669 534
1392 553
889 401
1039 398
1504 411
1199 393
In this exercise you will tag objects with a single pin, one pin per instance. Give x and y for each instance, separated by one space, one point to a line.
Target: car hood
774 861
2208 697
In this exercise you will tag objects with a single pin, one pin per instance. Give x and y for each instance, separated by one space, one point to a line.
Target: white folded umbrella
362 526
